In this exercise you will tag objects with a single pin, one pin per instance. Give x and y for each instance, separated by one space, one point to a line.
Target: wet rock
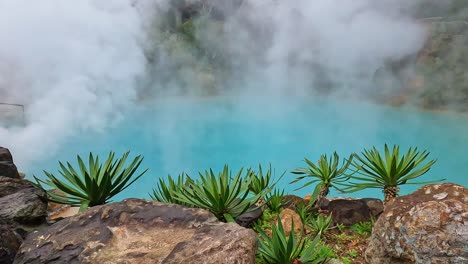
7 167
10 241
349 211
427 226
249 218
139 231
21 203
288 217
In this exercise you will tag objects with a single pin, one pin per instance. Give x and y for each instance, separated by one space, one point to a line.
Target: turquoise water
178 135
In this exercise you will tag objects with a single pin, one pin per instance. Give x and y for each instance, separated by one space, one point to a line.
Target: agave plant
284 249
320 224
327 173
275 201
225 196
390 171
363 228
166 192
95 184
259 181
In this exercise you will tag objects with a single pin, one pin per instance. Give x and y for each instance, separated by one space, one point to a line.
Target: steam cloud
79 66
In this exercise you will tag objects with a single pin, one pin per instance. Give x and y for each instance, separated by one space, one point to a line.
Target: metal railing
7 119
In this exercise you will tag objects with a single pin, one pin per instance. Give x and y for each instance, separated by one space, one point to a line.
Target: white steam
72 64
77 65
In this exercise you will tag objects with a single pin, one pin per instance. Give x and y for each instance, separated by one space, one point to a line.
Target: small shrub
326 173
94 184
363 228
260 181
320 224
275 201
352 253
284 249
166 192
225 196
390 171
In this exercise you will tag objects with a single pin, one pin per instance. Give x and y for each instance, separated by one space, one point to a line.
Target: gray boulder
21 203
7 167
10 241
349 211
139 231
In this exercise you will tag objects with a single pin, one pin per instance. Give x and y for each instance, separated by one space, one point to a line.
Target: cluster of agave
229 195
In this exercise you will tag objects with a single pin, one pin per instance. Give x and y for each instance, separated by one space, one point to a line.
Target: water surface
176 135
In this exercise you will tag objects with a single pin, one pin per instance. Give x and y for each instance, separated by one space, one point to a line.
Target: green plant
320 224
265 222
315 252
340 227
284 249
260 181
343 236
225 196
352 253
95 184
363 228
390 171
327 173
346 260
166 192
275 201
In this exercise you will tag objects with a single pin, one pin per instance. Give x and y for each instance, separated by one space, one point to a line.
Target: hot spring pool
193 135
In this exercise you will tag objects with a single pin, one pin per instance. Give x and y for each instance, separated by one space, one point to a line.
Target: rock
10 241
5 155
22 207
7 167
21 203
63 212
249 218
376 206
427 226
288 217
349 211
139 231
56 211
291 201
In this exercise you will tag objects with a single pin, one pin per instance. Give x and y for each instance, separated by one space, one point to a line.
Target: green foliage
225 196
326 173
166 192
352 253
265 221
346 260
259 181
306 211
340 227
363 228
391 170
275 201
94 184
320 224
315 252
284 249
